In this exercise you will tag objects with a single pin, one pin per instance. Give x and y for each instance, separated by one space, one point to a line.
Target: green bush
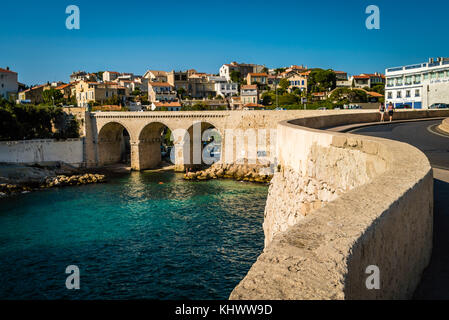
23 122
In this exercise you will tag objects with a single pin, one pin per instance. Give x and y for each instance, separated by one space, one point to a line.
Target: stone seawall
69 151
444 126
339 204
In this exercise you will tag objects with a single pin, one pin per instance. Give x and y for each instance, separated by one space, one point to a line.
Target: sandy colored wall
339 204
444 126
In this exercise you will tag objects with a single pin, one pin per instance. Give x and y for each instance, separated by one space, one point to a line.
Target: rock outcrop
240 172
49 182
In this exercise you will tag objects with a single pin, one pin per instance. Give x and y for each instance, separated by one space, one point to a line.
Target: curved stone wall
339 204
444 126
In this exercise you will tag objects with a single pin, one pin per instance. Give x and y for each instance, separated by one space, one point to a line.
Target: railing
395 69
415 66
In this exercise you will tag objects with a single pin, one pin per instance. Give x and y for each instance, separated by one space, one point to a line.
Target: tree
136 92
52 96
288 99
284 84
347 95
321 80
181 93
236 76
379 88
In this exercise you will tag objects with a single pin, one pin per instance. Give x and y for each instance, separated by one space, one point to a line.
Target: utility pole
277 105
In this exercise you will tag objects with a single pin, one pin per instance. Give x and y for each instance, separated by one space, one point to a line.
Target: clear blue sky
133 36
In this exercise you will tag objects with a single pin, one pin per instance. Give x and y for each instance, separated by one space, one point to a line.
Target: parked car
322 108
439 106
403 106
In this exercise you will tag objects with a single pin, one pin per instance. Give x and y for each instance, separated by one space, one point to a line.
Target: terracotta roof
167 104
258 74
318 94
63 86
249 86
342 72
361 77
159 84
7 71
374 94
158 73
114 72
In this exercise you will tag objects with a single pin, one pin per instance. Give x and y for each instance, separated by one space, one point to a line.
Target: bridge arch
153 139
203 148
113 144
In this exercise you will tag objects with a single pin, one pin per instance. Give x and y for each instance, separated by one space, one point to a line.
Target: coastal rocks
49 182
60 181
239 172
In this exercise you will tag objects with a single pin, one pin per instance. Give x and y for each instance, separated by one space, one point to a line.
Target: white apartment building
223 87
419 85
243 68
8 83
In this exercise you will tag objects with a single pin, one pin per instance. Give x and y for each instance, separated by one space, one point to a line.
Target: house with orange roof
8 83
249 94
33 95
298 80
66 89
161 92
257 78
87 92
156 76
367 80
166 106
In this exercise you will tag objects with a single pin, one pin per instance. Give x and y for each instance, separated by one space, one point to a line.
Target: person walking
390 111
382 112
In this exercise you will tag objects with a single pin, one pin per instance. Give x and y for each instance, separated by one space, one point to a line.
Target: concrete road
424 136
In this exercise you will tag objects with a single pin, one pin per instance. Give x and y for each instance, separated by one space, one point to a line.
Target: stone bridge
338 204
107 132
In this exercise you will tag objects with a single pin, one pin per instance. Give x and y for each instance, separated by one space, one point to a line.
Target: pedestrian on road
390 111
382 112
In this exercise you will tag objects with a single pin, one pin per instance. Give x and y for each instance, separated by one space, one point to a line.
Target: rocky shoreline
16 179
240 172
50 182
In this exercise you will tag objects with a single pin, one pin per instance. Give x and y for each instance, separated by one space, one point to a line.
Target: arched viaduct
106 131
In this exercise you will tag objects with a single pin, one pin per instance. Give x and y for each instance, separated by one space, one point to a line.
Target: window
417 93
426 76
434 75
398 94
407 94
390 82
417 79
408 80
441 75
399 81
390 95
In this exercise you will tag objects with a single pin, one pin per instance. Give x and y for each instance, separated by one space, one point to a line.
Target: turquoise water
131 238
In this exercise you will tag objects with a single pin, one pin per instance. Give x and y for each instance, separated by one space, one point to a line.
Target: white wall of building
8 83
418 85
32 151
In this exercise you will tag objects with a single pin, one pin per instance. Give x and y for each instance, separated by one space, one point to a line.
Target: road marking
432 129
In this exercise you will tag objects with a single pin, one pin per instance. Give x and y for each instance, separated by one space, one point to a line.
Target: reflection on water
144 235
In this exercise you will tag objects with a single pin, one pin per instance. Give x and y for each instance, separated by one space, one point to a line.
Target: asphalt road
435 281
